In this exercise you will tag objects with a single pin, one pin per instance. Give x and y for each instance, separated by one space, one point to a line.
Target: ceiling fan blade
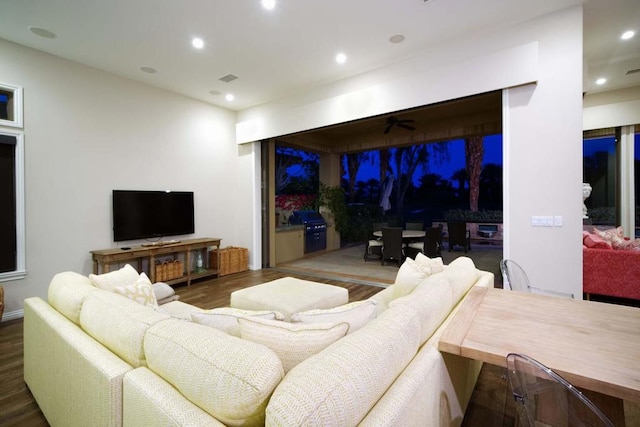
388 129
402 125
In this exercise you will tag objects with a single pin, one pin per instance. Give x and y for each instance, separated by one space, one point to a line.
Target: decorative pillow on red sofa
595 241
625 244
610 234
614 237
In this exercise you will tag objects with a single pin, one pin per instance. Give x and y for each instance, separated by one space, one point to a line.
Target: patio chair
373 245
516 278
431 245
459 235
545 398
392 247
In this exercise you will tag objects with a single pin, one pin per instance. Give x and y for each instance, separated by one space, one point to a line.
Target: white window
12 215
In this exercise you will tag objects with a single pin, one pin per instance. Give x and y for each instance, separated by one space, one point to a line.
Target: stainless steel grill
315 230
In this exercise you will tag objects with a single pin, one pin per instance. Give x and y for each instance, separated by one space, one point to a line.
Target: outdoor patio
347 264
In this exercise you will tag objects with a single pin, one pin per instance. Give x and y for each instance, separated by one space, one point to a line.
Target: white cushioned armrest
148 400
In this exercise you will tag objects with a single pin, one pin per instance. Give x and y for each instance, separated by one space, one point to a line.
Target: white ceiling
292 47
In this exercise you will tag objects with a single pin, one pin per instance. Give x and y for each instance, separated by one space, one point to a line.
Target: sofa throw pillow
356 314
163 291
292 342
435 265
108 281
139 291
609 234
409 276
226 318
595 241
622 244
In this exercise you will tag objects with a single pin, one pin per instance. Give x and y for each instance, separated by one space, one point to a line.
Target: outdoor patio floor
348 264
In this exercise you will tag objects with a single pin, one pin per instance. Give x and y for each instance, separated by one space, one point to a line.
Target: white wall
610 109
543 125
89 132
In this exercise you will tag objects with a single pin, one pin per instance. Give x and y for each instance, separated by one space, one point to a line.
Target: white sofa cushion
229 378
434 265
409 276
67 292
119 324
338 386
226 318
356 314
122 277
139 291
292 342
432 300
461 274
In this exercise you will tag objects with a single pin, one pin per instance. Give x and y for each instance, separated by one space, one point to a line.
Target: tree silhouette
474 151
354 161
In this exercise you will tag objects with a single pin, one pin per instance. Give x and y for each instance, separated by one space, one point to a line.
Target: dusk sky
492 154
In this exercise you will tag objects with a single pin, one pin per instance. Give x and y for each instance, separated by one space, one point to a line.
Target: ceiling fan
402 123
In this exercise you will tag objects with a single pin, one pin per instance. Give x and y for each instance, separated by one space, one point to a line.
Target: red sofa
611 272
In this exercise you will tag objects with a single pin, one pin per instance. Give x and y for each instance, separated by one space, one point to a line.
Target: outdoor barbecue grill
315 230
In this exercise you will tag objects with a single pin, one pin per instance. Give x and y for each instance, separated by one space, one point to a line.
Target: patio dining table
406 234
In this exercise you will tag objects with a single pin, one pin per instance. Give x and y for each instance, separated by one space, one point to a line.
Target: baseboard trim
12 315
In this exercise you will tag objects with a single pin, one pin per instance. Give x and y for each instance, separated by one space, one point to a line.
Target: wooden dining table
595 346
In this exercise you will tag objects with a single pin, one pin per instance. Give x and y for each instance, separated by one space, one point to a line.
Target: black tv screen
147 214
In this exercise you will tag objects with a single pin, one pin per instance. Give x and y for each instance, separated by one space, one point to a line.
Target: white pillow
408 277
356 314
461 274
435 265
163 291
226 318
108 281
292 342
139 291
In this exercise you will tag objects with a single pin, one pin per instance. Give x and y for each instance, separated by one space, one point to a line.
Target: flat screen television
149 214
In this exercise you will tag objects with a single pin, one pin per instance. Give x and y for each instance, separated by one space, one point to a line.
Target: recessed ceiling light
215 92
149 70
197 42
601 81
268 4
229 97
627 35
341 58
397 38
42 32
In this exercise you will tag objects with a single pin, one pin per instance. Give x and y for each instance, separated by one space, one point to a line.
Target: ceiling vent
228 78
637 70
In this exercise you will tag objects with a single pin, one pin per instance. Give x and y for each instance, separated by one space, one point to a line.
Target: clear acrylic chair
544 398
515 276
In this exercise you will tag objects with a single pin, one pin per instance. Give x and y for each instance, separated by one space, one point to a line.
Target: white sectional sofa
93 357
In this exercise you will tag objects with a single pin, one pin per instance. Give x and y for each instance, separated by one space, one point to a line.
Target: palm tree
354 160
474 152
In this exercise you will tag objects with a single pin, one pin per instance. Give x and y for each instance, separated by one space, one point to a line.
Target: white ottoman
289 296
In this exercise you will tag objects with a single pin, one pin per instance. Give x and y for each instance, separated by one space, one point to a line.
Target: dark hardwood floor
491 403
